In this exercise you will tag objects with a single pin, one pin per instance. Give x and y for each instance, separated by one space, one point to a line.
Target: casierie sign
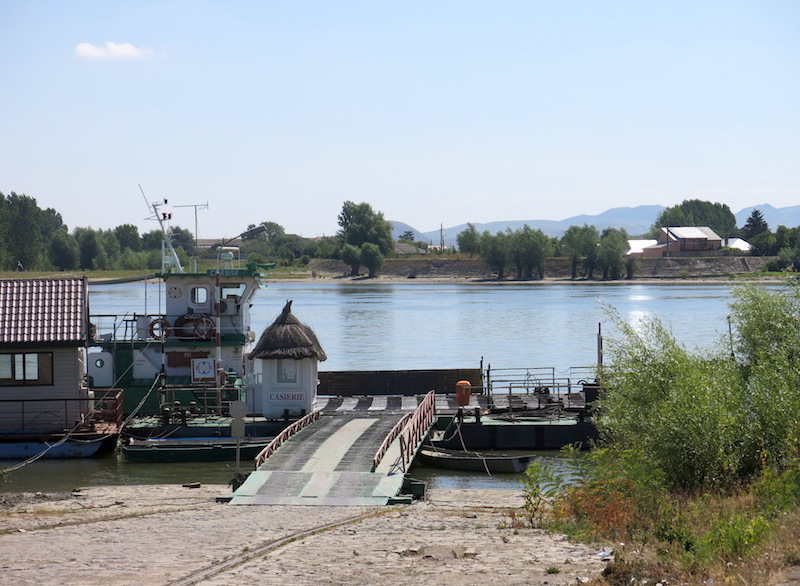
286 397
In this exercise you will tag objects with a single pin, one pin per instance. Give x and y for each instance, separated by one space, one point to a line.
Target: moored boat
471 461
197 449
47 409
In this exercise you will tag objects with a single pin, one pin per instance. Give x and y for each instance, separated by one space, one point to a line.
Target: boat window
199 295
29 368
287 371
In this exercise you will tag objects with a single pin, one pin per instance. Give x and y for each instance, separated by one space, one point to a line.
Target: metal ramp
331 462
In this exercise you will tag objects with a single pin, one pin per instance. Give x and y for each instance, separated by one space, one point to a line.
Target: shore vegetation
697 476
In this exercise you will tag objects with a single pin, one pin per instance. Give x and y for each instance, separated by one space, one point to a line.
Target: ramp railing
285 435
411 430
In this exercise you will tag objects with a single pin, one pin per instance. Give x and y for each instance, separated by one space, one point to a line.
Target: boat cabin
44 330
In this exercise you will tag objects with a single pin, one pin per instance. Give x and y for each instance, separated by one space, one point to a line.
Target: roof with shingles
43 312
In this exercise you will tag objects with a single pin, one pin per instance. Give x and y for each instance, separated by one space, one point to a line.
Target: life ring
204 327
193 326
159 328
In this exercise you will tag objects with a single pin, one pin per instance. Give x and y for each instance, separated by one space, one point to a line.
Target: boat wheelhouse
185 354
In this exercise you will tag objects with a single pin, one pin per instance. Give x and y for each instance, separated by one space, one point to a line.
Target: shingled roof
288 338
43 312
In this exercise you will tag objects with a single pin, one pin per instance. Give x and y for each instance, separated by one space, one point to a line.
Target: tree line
32 238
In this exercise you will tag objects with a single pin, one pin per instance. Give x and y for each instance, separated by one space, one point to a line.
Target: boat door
101 368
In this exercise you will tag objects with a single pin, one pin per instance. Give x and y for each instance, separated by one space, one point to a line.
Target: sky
434 112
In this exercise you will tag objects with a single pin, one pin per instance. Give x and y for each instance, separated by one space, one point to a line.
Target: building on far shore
677 241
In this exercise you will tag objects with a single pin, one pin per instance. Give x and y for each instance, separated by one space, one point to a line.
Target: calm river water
375 326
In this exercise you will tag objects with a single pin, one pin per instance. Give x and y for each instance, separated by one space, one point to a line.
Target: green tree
90 247
763 244
128 237
22 238
351 256
359 223
111 246
589 243
273 230
755 225
717 416
494 250
64 253
528 249
182 238
696 212
469 240
152 240
407 236
611 252
580 242
370 256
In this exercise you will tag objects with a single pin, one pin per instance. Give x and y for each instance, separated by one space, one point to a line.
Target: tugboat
183 366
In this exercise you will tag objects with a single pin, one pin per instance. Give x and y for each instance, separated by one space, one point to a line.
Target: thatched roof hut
288 338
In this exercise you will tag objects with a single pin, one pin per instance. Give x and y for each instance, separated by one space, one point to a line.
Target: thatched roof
289 338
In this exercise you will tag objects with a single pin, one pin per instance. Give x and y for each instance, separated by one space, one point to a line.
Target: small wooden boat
487 462
196 449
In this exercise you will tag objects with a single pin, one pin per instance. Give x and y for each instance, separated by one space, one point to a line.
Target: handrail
105 406
413 431
285 435
398 427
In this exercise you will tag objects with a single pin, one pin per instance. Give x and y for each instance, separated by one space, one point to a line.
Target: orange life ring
204 327
160 328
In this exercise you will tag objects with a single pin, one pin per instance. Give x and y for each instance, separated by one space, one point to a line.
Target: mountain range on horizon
636 221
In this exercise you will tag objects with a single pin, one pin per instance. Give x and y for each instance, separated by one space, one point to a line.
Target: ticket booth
287 355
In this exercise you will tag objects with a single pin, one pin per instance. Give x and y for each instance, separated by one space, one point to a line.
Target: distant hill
635 220
789 217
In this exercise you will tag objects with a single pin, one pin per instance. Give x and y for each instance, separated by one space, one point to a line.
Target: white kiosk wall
288 384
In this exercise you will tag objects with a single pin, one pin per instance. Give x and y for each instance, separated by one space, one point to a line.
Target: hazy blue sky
434 112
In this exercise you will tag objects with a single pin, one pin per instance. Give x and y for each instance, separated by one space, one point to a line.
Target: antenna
196 206
169 262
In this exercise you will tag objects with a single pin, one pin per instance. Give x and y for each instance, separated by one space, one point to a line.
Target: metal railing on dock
288 432
415 429
563 392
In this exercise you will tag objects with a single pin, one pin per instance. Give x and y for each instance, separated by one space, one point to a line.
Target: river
387 326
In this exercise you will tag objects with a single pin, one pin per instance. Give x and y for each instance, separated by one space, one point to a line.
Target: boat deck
447 403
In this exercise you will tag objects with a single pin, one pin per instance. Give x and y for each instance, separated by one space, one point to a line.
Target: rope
67 436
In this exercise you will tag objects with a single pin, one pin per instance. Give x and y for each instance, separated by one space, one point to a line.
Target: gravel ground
178 535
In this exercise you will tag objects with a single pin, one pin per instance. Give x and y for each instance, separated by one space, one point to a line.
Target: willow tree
716 416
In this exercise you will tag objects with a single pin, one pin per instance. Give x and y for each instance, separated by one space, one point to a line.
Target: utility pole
196 206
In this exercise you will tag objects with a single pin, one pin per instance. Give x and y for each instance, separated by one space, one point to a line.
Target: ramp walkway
346 458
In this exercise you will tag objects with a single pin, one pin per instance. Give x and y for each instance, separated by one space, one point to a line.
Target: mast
170 263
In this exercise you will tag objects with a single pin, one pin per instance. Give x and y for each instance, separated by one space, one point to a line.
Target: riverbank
172 534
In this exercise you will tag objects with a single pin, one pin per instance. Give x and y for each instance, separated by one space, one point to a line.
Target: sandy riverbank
171 534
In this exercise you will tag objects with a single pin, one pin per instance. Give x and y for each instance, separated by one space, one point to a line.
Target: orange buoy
463 392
